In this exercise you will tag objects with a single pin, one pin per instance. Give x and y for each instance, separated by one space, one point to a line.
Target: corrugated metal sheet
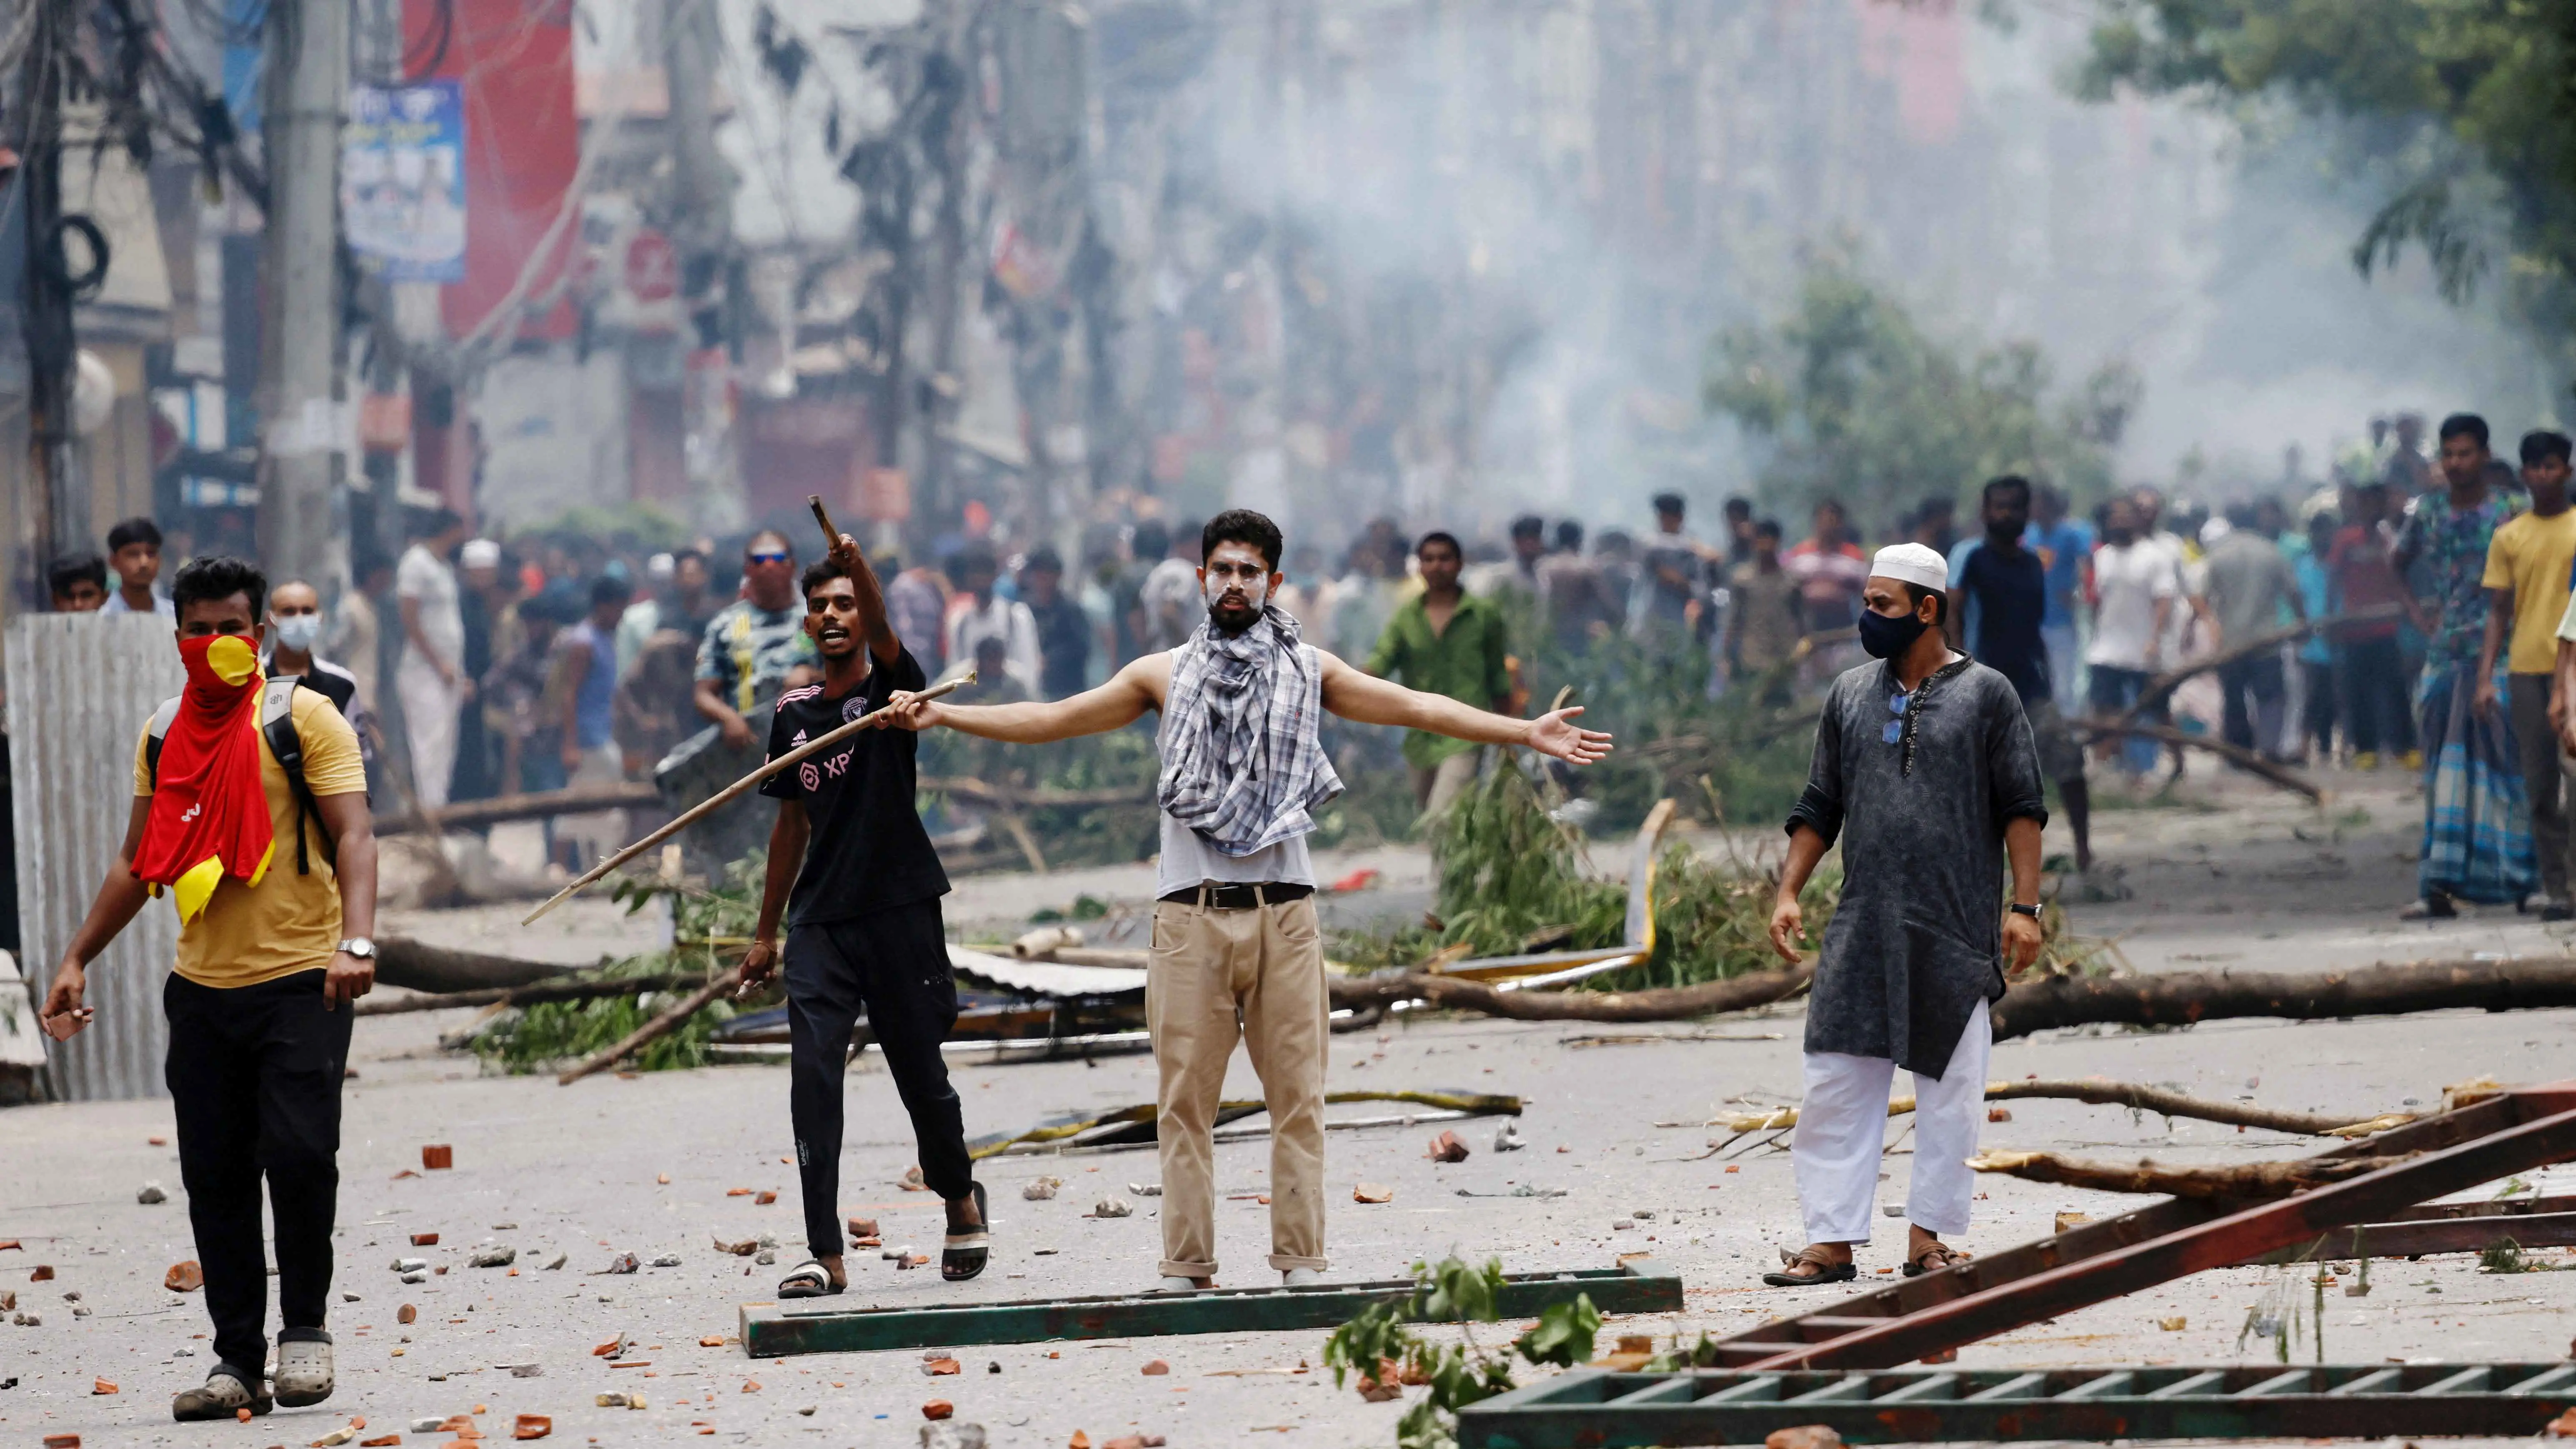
81 687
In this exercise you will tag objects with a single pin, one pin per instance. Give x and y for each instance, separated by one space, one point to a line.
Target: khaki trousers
1216 976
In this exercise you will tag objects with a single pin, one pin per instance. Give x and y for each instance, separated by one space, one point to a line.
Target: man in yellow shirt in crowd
2527 575
272 865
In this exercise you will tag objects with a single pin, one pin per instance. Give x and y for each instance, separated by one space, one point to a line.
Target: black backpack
277 722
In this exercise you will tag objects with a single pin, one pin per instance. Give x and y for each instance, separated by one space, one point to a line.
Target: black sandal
1827 1270
963 1255
809 1279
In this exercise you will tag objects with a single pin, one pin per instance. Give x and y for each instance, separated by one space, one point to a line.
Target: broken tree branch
2251 1180
654 1030
1669 1003
589 989
534 805
418 966
2242 758
2137 1097
2161 688
2180 998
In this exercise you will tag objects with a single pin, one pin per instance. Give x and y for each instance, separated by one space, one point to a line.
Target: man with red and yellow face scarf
273 951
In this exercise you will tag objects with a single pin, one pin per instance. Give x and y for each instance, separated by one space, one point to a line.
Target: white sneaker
303 1372
1300 1277
1176 1285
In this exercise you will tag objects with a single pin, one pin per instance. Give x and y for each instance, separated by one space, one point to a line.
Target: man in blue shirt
2062 544
1999 598
2318 595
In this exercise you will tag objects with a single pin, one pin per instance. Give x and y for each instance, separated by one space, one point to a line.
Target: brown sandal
1936 1255
1827 1270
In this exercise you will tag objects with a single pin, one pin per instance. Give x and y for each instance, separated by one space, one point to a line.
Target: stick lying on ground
533 805
417 966
2242 1180
2160 688
1667 1003
2135 1096
2179 998
654 1030
716 801
2244 759
589 988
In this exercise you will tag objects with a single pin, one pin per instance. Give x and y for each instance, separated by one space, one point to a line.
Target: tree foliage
1864 402
2463 111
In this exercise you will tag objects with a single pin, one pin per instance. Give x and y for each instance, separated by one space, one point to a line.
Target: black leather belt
1238 895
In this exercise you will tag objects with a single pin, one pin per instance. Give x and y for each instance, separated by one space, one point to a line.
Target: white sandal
809 1279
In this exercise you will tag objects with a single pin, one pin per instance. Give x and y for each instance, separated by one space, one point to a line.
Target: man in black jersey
864 929
1998 600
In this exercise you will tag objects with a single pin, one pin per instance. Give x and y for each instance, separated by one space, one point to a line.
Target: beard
1236 608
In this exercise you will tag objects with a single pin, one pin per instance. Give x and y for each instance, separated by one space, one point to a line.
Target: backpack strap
153 734
277 722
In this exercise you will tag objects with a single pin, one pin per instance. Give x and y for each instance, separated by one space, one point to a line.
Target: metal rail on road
1918 1318
1593 1409
772 1330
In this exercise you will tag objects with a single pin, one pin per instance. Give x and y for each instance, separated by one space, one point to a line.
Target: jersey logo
854 706
797 743
810 777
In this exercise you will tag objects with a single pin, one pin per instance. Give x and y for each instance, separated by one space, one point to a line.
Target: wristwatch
365 950
2018 909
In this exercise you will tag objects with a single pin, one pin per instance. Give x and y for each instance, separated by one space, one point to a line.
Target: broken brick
911 1180
184 1277
1080 1440
102 1386
937 1409
44 1273
62 1441
1999 1114
1447 1148
406 1314
737 1192
1804 1436
531 1426
1372 1192
1138 1441
863 1227
437 1157
610 1349
424 1240
1157 1367
940 1367
2562 1427
751 1386
712 1340
380 1441
763 1199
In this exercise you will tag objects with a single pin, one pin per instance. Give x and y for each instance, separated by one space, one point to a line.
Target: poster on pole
402 180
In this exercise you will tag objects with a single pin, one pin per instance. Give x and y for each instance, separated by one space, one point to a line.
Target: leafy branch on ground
710 928
1380 1346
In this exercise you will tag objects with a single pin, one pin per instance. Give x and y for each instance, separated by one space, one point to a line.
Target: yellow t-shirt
288 922
2531 556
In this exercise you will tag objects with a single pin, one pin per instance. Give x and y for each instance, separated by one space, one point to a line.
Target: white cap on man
479 553
1911 563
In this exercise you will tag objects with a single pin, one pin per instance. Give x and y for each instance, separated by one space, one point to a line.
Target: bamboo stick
726 795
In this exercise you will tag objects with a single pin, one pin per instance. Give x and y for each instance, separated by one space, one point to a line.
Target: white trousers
1842 1129
430 705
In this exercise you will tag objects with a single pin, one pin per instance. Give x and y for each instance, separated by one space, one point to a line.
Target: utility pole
45 320
307 89
702 234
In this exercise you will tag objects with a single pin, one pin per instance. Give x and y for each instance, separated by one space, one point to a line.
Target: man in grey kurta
1926 772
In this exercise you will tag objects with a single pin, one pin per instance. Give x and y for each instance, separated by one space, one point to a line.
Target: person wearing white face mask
295 628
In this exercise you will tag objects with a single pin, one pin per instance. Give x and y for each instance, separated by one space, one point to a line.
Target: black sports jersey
868 850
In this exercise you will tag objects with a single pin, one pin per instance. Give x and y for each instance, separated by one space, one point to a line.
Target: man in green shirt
1444 641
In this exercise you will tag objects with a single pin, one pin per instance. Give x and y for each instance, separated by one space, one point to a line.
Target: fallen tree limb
1012 797
1668 1003
2244 759
587 989
2161 688
2180 998
535 805
654 1030
418 966
2136 1096
2252 1180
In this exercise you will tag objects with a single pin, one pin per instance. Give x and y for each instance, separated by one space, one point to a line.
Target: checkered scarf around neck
1242 761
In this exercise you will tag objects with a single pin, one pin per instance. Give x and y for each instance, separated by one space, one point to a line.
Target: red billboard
513 61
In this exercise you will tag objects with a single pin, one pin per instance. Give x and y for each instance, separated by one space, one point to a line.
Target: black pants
2378 713
254 1074
2317 707
893 965
2251 717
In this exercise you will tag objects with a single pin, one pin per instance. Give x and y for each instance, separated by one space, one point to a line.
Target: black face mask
1885 637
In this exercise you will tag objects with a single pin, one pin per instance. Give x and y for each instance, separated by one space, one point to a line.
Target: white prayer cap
659 568
479 553
1911 563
